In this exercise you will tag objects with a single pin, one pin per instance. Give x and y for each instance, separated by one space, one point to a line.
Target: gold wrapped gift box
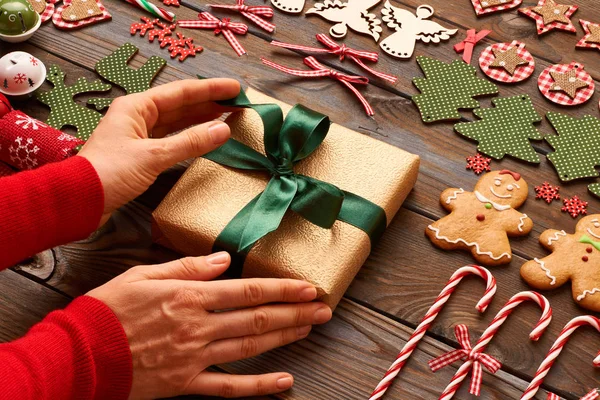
209 195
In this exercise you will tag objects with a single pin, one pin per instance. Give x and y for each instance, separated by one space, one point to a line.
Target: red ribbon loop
466 46
319 70
253 13
467 353
225 26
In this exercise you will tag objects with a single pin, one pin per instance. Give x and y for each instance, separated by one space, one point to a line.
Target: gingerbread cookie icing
481 221
575 257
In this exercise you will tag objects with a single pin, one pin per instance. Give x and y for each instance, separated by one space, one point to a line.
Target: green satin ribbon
287 142
587 240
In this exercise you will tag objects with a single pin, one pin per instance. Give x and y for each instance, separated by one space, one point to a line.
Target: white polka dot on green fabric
64 111
577 146
594 188
447 88
505 129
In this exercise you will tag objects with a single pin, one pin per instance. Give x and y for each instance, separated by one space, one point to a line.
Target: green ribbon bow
587 240
287 142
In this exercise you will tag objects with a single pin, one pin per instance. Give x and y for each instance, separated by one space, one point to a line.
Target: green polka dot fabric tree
577 146
505 129
447 88
114 68
64 111
594 189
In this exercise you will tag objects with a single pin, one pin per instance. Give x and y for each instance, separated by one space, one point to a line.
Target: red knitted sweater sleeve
81 352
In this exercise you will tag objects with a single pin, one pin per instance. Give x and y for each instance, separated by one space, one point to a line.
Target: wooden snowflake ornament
410 28
547 192
574 206
483 7
478 163
591 40
549 15
353 14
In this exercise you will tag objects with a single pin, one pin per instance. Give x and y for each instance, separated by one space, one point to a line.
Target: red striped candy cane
433 312
491 330
555 350
593 395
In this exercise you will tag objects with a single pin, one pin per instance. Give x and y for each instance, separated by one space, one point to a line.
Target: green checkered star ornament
114 68
447 88
505 129
64 111
577 146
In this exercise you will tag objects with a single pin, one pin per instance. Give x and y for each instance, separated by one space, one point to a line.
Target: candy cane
491 330
555 350
433 312
593 395
152 9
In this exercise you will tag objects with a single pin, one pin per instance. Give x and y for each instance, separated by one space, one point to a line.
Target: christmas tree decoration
591 40
342 51
256 14
320 71
547 192
566 84
478 163
446 88
152 9
505 129
184 52
352 14
18 20
507 62
410 28
574 206
142 27
115 69
549 15
75 14
576 147
225 26
483 7
64 110
21 74
289 6
468 45
594 189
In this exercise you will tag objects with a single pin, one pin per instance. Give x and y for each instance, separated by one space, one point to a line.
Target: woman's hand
129 150
169 313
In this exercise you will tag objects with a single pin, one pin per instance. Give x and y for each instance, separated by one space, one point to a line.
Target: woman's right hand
169 314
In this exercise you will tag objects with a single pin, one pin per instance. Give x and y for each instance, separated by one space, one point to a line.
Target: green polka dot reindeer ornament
64 111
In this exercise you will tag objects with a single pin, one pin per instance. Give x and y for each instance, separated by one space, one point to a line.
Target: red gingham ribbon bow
224 26
593 395
466 46
253 13
490 363
342 51
319 70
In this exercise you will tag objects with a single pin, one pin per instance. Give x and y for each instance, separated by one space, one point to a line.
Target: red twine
253 13
319 71
466 46
467 353
342 51
225 26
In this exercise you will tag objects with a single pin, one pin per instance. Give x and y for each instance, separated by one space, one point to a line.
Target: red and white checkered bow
342 51
319 70
593 395
224 26
466 46
466 353
253 13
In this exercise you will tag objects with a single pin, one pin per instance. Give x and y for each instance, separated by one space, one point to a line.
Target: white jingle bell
21 74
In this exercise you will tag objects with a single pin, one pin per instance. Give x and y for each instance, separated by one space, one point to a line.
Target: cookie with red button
482 221
575 257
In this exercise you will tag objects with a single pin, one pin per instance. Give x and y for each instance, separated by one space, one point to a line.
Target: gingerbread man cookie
574 257
481 221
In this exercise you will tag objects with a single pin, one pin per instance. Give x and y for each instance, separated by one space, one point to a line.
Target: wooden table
345 358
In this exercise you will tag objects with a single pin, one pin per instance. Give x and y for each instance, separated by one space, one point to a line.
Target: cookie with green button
575 257
482 221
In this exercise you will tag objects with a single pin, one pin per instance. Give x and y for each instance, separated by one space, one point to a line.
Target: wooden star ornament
567 82
549 15
591 40
509 59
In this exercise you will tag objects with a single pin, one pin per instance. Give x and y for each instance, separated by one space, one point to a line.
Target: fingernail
218 259
308 294
322 315
303 330
284 383
219 132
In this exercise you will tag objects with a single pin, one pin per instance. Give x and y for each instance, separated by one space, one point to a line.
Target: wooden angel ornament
410 28
353 14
